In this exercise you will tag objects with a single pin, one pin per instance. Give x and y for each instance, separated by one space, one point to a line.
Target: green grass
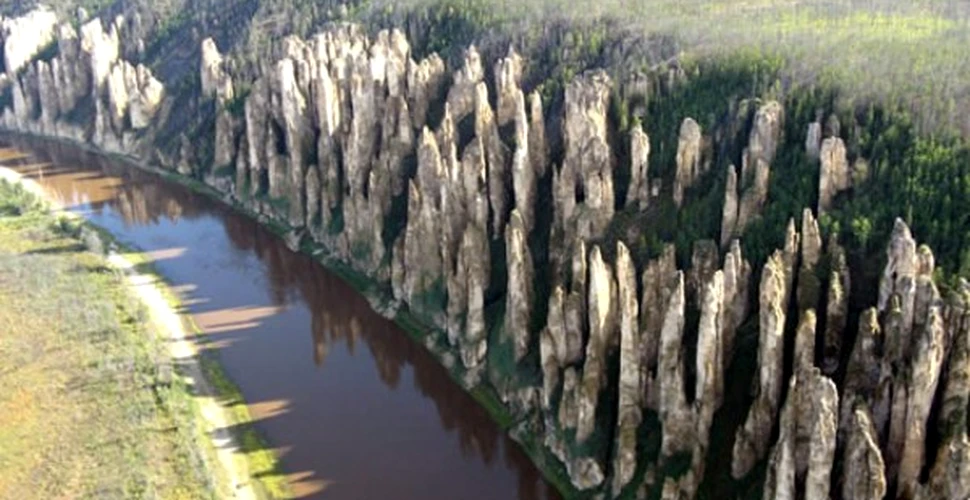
262 462
15 201
26 222
89 398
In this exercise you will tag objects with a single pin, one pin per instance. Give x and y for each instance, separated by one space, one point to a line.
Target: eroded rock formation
689 161
629 411
837 308
24 36
638 194
602 328
518 317
583 190
808 456
863 468
751 442
745 196
215 81
675 415
87 68
410 172
834 175
813 140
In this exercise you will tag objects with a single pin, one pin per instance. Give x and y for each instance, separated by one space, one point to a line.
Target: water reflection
257 301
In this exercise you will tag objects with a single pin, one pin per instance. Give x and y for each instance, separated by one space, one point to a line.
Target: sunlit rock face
751 442
602 328
863 467
215 81
218 85
461 95
145 95
729 214
834 174
810 456
630 389
25 36
123 98
588 163
515 230
746 192
688 158
638 194
766 132
518 316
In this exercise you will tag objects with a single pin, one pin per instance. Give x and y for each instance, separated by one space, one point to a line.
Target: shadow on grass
56 250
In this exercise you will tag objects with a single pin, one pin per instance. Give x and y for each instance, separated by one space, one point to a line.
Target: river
354 407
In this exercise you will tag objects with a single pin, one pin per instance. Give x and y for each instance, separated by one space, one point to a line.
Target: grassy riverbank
261 461
88 399
91 401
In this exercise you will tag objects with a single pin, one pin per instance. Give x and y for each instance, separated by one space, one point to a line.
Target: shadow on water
340 392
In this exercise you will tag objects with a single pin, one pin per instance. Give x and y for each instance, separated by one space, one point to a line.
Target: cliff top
906 51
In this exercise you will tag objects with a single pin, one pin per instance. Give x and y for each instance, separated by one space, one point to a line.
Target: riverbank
104 390
377 295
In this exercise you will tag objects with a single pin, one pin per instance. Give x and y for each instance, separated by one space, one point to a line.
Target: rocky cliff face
835 176
689 161
25 36
120 99
746 195
457 188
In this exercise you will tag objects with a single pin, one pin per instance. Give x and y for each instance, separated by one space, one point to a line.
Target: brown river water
354 407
